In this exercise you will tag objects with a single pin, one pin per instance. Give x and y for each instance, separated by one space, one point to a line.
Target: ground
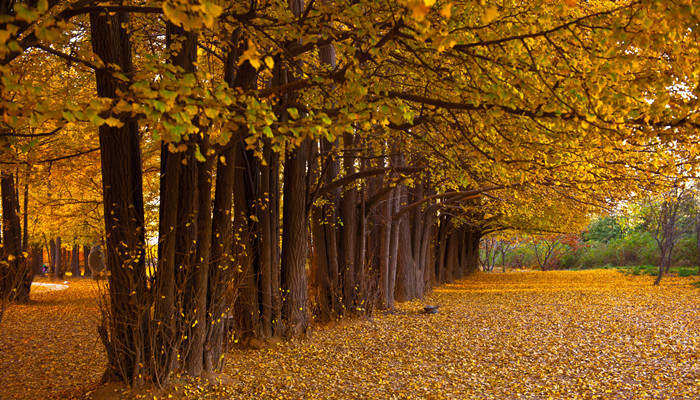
597 334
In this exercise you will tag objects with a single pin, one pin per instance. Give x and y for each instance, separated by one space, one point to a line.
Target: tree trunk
75 261
124 329
265 215
220 266
15 276
51 250
394 248
247 307
199 281
58 260
349 227
86 254
294 242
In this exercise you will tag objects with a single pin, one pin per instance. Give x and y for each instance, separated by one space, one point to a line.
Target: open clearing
520 335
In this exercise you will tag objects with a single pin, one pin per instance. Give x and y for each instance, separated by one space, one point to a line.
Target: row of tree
320 159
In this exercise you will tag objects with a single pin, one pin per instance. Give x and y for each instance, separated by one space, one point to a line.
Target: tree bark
86 267
58 260
124 329
294 242
15 276
220 265
75 261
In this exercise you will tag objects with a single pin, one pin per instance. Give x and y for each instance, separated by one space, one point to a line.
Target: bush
687 271
686 250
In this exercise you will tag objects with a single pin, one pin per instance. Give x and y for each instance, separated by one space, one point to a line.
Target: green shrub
687 271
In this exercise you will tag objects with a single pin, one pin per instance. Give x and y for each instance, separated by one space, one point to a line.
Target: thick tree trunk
294 242
15 275
124 330
36 257
406 266
199 281
220 265
245 230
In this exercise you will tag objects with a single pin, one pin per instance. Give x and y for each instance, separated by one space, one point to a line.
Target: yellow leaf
490 14
113 122
446 10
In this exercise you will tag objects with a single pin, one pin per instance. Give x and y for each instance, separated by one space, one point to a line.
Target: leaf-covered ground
520 335
49 349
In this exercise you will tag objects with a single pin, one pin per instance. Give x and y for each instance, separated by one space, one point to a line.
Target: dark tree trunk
15 275
58 260
75 261
265 215
697 225
405 266
294 242
52 256
245 230
276 264
220 266
384 251
294 223
37 256
165 336
349 227
123 331
86 266
394 247
325 238
25 212
199 281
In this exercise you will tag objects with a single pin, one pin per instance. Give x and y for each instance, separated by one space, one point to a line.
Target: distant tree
545 248
667 218
604 229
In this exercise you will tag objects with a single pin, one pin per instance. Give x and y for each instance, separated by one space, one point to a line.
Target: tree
384 138
545 248
665 218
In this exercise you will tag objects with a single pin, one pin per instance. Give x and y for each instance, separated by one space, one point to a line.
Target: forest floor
596 334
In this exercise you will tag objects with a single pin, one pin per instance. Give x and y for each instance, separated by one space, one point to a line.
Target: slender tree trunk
349 227
58 261
697 224
276 264
25 212
266 240
394 248
86 267
384 256
53 255
75 261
